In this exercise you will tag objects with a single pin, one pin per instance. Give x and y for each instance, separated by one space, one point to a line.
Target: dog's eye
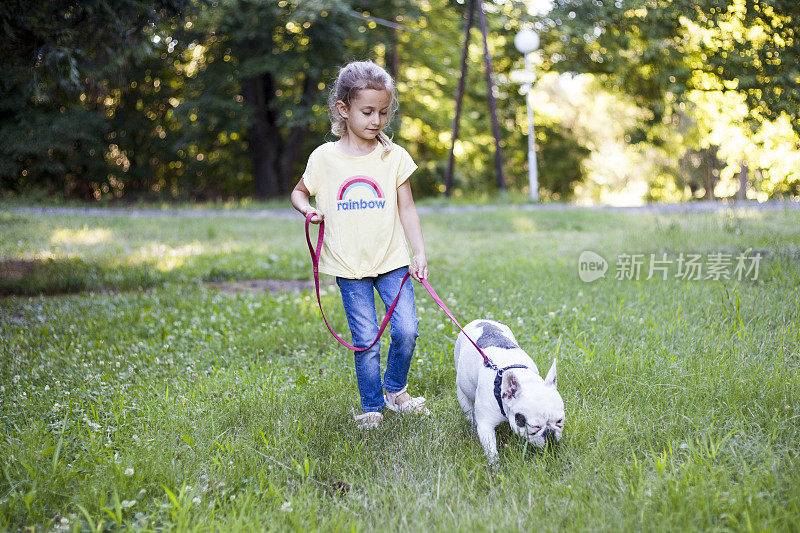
520 420
560 422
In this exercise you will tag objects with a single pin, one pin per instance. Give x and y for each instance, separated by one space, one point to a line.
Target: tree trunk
448 177
498 151
263 137
297 138
392 56
708 176
741 194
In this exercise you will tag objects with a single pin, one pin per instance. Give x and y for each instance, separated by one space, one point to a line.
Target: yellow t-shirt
358 196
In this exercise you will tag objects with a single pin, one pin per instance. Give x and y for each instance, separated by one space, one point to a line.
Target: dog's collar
498 379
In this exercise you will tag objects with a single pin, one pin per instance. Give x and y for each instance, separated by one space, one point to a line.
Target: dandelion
129 472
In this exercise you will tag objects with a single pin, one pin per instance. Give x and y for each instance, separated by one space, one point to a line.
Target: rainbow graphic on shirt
360 192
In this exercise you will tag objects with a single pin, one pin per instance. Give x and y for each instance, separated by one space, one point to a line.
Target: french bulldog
513 393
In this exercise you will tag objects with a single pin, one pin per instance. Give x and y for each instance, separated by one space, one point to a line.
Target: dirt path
686 207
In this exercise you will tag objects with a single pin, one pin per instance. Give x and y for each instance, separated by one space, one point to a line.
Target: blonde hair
352 78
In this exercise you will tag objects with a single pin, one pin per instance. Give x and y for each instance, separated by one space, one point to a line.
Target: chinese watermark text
662 266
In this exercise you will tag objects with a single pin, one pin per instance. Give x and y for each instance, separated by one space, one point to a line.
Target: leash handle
315 255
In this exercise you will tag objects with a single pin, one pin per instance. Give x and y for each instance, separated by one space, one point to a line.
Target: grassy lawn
136 396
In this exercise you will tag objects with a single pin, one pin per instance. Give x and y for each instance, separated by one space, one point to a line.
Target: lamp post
526 41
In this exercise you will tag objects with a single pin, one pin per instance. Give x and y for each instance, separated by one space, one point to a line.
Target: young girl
362 191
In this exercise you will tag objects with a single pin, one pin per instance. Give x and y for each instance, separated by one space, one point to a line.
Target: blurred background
195 100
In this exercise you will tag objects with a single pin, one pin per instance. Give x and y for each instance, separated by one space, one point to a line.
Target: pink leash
315 255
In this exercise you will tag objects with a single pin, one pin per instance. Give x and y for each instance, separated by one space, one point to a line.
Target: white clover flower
551 314
129 472
286 507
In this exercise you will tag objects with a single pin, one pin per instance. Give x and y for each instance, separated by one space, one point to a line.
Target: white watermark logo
591 266
684 266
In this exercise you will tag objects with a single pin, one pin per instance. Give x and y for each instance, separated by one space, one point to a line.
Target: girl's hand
318 216
419 267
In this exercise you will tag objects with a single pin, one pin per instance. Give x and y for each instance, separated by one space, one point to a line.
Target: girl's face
367 113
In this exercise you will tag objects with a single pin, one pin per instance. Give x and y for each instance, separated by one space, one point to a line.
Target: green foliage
660 50
179 113
70 47
202 99
260 78
58 149
60 62
693 65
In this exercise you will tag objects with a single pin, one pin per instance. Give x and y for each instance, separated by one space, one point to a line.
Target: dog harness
498 380
315 254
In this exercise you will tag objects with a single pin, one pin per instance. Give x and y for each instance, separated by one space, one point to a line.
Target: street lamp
526 41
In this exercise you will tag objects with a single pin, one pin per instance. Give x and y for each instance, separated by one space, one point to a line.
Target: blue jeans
358 298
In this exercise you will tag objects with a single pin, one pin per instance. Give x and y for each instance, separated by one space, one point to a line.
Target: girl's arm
410 220
300 202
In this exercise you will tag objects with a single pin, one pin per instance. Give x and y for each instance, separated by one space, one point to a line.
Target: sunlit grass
81 236
144 399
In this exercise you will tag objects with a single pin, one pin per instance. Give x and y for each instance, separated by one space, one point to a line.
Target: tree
60 60
280 57
690 62
658 50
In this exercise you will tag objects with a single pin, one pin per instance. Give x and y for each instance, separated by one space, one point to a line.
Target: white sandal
407 405
368 420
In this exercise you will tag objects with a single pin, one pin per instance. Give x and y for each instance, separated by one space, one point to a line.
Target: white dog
513 393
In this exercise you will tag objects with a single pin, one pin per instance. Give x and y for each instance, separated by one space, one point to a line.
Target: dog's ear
510 385
551 379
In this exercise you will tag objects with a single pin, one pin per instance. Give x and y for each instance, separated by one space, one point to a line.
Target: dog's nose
549 436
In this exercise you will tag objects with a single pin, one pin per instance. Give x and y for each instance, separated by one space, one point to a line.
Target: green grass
136 397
